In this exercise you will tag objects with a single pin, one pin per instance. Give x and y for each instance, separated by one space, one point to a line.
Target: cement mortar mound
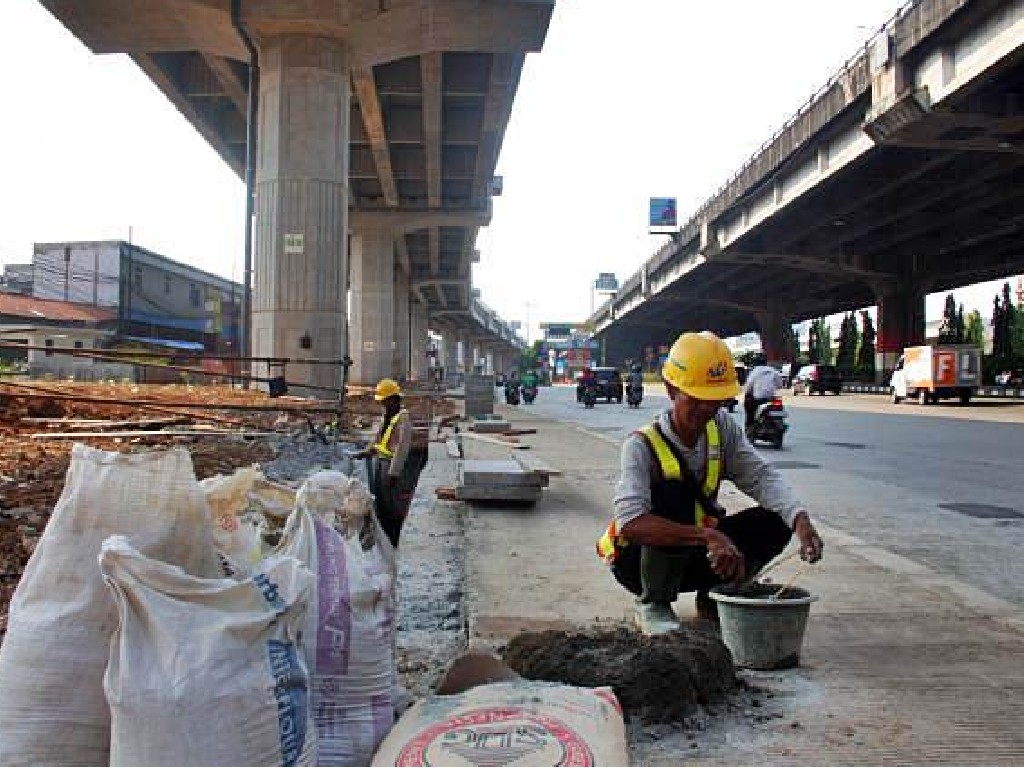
661 679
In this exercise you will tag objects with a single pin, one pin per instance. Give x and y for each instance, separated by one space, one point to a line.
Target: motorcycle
769 423
590 397
529 394
634 395
512 394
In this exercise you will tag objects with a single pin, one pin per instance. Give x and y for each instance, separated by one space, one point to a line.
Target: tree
866 351
1003 325
974 328
846 354
821 341
948 328
961 330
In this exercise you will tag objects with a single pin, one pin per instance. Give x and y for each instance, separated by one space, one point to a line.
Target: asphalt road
940 484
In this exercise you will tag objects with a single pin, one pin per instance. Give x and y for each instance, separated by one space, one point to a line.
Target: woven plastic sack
52 708
518 723
334 531
207 671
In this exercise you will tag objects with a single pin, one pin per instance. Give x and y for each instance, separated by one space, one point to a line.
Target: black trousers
751 404
660 574
393 497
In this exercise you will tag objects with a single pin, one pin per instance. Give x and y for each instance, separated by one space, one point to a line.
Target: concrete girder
434 250
233 88
431 68
815 264
376 35
402 251
373 123
229 150
410 221
506 69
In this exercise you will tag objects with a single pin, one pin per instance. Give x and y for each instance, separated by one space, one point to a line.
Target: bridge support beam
373 306
901 323
774 329
301 206
418 324
402 324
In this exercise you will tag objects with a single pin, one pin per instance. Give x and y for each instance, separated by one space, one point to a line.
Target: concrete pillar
774 330
451 356
419 324
901 324
373 306
501 365
301 206
402 367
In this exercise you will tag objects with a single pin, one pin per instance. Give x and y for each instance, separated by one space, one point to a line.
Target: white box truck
937 372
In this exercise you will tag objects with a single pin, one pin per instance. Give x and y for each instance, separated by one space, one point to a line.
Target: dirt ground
32 466
663 679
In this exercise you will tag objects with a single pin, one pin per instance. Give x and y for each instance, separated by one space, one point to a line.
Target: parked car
609 384
818 378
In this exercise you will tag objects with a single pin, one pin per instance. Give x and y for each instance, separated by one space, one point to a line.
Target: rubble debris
661 679
32 470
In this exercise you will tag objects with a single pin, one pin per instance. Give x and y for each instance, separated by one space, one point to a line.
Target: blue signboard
663 212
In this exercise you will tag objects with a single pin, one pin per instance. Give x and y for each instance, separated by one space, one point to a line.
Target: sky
667 99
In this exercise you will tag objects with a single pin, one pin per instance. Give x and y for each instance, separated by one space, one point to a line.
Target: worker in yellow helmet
669 534
392 479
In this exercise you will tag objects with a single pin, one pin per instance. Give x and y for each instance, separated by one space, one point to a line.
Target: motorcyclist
529 382
762 384
635 382
512 388
588 381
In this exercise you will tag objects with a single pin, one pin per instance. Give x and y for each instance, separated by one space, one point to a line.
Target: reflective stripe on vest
670 470
382 445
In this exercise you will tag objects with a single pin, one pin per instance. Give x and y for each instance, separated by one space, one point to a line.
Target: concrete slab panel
496 473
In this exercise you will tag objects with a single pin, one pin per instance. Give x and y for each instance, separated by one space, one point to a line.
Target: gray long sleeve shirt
740 463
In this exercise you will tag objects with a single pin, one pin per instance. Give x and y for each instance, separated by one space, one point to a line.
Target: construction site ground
901 664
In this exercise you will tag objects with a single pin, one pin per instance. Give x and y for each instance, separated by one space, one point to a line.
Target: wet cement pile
661 679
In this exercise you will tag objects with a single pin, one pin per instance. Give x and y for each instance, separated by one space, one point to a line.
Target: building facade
153 297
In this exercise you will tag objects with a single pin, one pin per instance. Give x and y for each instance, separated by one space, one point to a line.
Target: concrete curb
1005 393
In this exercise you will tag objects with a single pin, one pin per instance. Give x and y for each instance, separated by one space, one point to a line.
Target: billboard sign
606 283
663 212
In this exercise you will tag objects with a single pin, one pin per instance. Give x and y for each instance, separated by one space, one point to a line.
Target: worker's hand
811 545
724 557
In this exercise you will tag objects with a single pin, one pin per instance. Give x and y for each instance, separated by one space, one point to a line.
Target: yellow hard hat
701 366
385 389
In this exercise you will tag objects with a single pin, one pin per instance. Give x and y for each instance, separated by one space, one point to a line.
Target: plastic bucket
760 631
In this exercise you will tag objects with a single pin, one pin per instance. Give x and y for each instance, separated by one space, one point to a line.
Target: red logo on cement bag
497 737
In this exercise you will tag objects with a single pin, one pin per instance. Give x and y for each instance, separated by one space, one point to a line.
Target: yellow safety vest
670 470
382 445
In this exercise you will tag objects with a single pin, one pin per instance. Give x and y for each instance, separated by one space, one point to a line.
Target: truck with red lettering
937 372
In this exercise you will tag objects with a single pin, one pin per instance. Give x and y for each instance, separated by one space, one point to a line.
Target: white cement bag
236 530
518 723
207 671
52 709
353 655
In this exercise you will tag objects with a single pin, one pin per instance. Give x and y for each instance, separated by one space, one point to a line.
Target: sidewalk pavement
901 663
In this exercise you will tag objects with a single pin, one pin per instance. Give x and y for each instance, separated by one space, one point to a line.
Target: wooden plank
509 443
150 433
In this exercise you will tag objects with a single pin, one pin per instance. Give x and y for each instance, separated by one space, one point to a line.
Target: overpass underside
905 178
377 127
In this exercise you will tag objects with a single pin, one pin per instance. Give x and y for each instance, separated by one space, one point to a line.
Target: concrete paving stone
473 472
